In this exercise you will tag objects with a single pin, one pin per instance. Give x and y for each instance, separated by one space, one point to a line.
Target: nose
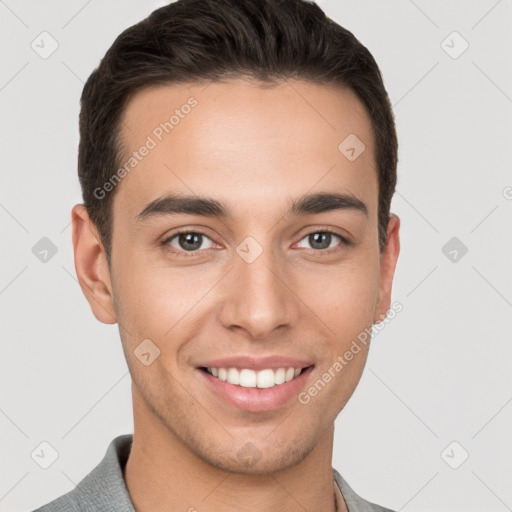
258 297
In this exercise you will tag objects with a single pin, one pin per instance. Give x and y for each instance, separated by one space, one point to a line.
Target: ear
91 266
388 259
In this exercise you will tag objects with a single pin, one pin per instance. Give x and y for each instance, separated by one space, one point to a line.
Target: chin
261 462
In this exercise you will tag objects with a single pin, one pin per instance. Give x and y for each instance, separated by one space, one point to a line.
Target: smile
259 390
248 378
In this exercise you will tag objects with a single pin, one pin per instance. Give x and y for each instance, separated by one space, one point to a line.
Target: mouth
262 379
251 390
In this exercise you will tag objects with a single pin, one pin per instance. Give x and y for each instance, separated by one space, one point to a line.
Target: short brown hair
208 40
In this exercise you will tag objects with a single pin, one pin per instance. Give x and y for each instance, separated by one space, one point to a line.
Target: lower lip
256 399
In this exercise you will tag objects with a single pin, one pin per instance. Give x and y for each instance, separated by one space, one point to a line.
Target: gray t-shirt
104 489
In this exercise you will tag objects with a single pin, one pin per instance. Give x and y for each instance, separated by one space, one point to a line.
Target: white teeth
266 379
280 376
247 378
250 379
233 376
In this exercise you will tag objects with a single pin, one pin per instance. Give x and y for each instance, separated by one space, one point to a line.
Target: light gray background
439 372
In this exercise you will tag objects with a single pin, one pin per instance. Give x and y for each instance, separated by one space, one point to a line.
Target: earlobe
388 260
91 266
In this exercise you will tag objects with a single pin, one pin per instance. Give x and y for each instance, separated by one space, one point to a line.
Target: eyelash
188 254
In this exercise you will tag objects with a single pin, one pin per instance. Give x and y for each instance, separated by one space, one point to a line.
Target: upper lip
256 363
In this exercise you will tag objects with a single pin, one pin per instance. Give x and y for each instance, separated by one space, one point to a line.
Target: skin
255 149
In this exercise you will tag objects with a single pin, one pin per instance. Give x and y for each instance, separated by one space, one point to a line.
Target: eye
188 241
321 240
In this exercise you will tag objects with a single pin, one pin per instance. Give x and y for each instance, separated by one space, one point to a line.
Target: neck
163 474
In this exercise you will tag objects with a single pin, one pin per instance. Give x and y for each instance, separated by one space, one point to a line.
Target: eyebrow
174 204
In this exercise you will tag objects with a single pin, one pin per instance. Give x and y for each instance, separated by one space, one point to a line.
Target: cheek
344 297
157 306
152 300
345 303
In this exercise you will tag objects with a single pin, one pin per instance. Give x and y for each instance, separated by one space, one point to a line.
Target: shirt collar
104 487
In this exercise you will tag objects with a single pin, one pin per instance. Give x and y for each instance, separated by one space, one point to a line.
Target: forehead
245 143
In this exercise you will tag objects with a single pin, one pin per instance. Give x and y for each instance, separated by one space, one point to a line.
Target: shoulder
103 489
354 502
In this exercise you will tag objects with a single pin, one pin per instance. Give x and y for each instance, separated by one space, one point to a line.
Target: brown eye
189 241
321 240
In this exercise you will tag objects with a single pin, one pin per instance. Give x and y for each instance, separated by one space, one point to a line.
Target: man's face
259 282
